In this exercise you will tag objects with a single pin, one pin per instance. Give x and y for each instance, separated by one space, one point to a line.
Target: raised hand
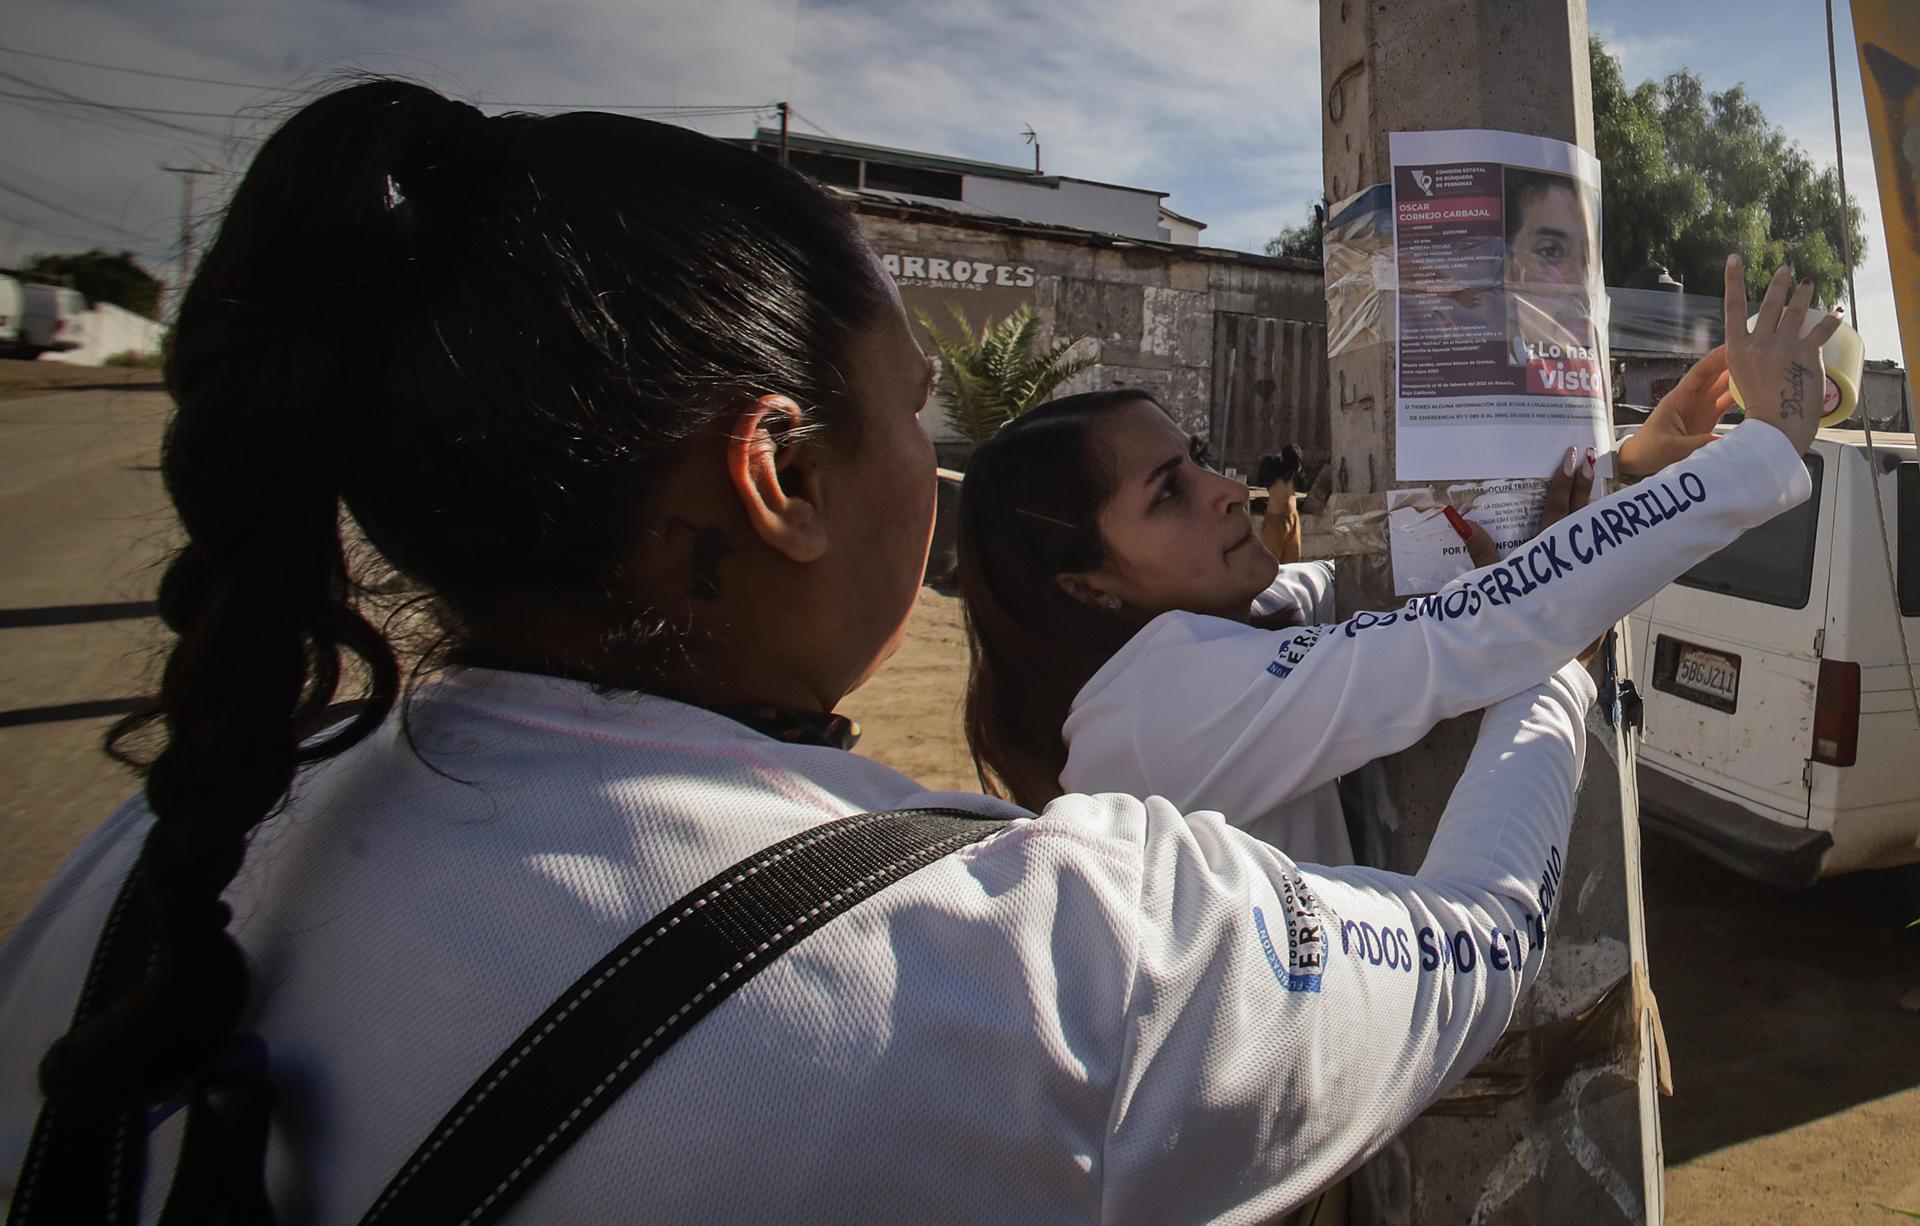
1683 420
1782 380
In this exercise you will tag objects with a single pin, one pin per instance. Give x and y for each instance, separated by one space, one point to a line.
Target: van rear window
1771 564
1907 481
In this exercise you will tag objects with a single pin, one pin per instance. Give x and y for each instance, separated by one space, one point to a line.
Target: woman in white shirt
636 410
1120 604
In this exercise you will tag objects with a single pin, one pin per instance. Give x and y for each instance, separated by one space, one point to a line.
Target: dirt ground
1797 1071
18 379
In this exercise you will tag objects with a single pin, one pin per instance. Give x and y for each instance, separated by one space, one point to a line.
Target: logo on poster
1424 181
937 272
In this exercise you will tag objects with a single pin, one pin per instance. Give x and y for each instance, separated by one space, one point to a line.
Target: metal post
785 110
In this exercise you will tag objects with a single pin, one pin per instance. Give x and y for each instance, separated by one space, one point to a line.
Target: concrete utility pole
1560 1123
187 175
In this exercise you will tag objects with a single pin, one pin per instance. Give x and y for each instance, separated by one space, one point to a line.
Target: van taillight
1836 714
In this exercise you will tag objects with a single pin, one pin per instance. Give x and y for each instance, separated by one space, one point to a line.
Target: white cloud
1212 100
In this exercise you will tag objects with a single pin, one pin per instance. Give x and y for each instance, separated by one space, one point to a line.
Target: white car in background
1780 736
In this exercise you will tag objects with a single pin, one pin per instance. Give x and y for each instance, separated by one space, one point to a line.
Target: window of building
825 168
910 181
1772 564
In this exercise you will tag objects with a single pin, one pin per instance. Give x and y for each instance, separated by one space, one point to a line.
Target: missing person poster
1500 356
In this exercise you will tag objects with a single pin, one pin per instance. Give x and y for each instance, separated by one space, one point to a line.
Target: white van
12 303
53 319
1780 737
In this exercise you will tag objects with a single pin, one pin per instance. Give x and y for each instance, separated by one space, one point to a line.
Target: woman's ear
1086 593
775 476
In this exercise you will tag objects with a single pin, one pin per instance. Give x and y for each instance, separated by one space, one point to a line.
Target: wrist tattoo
1793 399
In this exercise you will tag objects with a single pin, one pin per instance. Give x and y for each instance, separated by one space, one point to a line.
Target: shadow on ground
1780 1007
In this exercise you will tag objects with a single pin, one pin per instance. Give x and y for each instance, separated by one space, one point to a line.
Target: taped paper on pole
1500 355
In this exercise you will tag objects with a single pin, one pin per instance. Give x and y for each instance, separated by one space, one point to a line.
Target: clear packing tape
1612 1030
1362 279
1363 282
1357 244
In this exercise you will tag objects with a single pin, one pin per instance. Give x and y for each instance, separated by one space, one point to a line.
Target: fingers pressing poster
1502 313
1428 553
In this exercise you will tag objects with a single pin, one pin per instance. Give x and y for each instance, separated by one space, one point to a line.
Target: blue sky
1215 101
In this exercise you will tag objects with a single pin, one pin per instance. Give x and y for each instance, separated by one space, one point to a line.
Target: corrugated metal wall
1269 389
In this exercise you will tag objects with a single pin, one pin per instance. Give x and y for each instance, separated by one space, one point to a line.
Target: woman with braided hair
636 411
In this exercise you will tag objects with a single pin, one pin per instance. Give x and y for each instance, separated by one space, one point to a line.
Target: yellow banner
1888 35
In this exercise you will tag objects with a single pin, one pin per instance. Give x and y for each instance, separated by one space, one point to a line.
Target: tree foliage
1690 175
1301 242
991 377
102 277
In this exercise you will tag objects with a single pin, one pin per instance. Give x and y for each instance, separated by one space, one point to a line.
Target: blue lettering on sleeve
1573 543
1293 651
1306 957
1519 576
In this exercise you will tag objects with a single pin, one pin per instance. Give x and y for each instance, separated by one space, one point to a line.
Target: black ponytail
477 341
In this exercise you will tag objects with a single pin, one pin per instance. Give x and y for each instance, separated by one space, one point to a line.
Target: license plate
1710 678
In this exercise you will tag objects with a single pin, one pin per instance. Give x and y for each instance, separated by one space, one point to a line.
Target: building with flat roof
986 189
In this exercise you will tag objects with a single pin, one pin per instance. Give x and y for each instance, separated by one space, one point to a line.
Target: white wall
1178 231
111 330
1086 206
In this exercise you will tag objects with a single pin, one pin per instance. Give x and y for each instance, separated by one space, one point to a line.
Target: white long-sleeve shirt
1113 1012
1213 714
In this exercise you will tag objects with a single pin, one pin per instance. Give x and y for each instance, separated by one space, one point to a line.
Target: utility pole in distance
1547 1128
785 112
187 175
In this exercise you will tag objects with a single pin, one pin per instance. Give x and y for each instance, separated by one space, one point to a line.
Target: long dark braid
477 340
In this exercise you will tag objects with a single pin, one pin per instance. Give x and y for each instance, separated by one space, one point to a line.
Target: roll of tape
1844 357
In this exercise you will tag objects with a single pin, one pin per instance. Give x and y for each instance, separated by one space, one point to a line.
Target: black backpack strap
86 1168
569 1066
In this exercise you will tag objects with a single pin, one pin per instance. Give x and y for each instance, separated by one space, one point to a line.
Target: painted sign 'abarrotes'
942 272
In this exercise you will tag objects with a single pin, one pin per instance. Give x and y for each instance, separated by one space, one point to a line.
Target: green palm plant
990 377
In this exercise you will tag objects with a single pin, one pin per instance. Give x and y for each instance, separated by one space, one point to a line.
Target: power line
110 131
812 123
691 109
77 215
42 230
69 98
678 111
145 72
115 106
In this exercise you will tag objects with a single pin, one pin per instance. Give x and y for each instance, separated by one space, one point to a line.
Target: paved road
81 502
1798 1074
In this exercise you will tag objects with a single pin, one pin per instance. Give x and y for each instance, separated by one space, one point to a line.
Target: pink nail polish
1571 462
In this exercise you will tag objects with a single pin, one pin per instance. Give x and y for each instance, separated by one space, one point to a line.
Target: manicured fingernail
1589 462
1571 462
1806 282
1733 259
1459 523
1839 310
